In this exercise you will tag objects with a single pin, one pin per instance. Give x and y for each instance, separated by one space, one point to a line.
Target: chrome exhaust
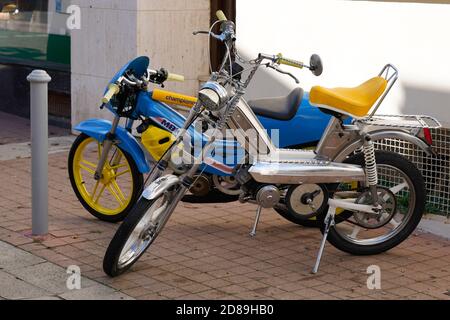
308 172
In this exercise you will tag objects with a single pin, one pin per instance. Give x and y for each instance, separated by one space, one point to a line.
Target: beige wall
165 35
355 39
115 31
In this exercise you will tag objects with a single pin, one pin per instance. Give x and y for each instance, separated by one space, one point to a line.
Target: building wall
165 35
114 31
107 40
355 39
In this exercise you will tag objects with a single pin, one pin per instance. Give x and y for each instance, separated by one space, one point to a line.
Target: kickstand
255 225
329 222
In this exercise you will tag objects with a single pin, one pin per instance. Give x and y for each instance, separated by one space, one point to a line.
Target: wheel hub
388 204
108 174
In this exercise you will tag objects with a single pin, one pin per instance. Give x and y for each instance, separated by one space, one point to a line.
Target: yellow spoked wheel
112 197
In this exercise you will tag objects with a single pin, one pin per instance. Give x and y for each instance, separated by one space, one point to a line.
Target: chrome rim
144 233
227 185
401 186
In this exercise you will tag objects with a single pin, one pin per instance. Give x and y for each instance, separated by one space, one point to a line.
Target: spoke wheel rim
350 231
143 234
107 195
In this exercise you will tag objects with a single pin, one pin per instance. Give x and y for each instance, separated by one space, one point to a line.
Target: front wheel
402 194
136 234
112 197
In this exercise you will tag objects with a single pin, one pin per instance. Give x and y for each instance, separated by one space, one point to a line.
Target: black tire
288 215
138 182
403 164
111 260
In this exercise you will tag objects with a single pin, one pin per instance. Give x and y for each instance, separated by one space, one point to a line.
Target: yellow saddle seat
355 102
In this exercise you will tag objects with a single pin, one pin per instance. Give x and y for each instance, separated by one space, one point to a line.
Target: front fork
107 145
163 163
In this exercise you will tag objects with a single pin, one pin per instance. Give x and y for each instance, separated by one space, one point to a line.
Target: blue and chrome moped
107 163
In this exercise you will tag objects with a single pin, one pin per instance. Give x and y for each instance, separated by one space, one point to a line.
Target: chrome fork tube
163 163
107 145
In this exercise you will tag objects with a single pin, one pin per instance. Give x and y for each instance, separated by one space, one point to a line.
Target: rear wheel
402 192
112 197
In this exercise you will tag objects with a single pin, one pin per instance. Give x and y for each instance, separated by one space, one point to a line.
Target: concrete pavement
26 276
204 252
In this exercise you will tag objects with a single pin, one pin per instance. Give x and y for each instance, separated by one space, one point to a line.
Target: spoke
399 187
113 192
394 222
100 193
82 166
88 163
123 165
118 190
95 190
122 173
355 232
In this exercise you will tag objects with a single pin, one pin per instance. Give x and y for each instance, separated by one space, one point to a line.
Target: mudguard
386 134
159 186
99 128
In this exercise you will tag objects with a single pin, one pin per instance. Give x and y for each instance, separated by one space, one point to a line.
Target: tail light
427 136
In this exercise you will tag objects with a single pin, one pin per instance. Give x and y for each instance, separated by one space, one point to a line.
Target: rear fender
385 134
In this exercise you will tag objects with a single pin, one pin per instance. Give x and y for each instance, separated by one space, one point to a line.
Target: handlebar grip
221 16
113 89
289 62
175 77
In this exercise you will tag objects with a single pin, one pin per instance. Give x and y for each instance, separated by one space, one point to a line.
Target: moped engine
268 196
202 185
307 200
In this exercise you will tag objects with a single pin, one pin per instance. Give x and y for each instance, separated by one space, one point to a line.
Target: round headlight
213 96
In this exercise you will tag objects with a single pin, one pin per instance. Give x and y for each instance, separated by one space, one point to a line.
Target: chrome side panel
306 172
249 132
159 186
334 139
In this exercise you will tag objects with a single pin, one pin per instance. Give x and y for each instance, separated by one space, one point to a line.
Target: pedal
329 222
255 225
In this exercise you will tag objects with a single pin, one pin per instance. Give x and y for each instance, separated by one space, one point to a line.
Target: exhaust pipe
311 172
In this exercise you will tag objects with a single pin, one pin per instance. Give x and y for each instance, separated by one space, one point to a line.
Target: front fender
386 134
159 186
99 128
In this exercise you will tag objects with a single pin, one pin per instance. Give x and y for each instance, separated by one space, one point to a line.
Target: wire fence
435 170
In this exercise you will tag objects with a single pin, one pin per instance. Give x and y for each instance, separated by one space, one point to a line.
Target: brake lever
286 73
199 32
220 37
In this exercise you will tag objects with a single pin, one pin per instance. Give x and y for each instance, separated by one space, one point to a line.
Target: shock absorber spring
371 163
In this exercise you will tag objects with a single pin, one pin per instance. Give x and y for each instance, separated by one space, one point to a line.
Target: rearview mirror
9 8
315 65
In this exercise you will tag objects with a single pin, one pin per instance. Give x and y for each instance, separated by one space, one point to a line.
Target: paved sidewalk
26 276
205 251
14 129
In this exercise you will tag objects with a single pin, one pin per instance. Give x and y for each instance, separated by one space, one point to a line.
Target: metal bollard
39 80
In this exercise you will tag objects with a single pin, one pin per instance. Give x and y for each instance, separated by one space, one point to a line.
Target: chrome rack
402 121
390 73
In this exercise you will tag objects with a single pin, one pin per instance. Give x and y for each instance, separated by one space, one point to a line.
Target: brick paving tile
205 251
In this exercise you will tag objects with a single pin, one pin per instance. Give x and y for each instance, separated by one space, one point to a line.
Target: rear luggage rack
402 121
